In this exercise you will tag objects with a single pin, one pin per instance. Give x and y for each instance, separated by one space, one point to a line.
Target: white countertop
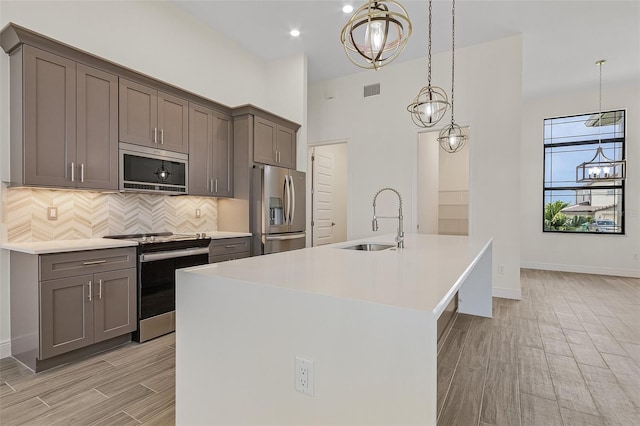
419 276
60 246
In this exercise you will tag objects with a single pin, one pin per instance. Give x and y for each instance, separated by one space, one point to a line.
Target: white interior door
322 197
329 185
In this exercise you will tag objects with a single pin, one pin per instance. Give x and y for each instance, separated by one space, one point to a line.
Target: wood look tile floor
568 354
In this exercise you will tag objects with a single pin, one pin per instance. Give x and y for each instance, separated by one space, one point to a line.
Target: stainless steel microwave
145 169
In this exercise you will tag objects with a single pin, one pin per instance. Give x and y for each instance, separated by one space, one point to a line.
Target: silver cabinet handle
162 136
155 135
100 289
211 184
216 186
90 285
81 172
94 262
73 171
231 246
162 255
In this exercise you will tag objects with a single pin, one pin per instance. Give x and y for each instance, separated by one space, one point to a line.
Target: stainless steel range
159 255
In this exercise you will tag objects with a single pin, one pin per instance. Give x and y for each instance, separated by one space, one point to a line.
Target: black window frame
594 142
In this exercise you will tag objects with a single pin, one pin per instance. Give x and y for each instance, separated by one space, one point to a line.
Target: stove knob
144 239
204 235
152 238
197 236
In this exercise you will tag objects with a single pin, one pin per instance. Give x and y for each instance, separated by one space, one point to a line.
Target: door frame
310 152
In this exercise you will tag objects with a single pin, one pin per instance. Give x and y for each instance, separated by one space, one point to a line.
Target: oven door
157 281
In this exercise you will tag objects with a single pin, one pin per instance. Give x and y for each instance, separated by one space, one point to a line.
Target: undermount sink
369 247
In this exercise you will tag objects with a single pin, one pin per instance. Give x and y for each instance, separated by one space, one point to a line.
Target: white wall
160 40
601 254
428 182
383 141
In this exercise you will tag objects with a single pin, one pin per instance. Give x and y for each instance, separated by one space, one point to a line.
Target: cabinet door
173 123
49 119
222 169
286 147
264 141
138 114
66 315
200 150
97 127
114 298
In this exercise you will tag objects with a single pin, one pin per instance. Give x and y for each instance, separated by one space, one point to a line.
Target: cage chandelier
431 103
600 167
376 33
452 138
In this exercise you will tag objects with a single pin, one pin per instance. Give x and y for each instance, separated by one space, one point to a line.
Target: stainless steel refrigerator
278 216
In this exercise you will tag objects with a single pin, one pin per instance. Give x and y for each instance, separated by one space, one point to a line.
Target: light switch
198 214
52 213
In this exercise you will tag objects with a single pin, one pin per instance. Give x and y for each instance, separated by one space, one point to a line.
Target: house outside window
571 206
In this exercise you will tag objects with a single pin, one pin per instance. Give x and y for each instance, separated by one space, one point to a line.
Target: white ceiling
561 39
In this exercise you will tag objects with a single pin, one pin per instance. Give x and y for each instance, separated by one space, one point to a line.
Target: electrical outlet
52 213
304 376
198 214
501 269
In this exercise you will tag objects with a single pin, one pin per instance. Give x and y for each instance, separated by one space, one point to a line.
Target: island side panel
237 342
475 293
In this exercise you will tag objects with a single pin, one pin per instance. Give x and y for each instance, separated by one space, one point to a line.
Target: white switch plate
304 376
52 213
198 214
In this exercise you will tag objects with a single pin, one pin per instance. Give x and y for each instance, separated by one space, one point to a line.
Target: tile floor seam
40 399
133 417
484 381
106 396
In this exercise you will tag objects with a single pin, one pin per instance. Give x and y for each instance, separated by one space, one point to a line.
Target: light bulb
374 37
427 109
453 141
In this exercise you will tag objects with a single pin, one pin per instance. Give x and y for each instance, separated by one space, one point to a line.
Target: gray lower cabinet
229 249
73 301
210 152
64 122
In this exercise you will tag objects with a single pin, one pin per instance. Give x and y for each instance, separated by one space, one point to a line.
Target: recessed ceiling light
347 8
294 33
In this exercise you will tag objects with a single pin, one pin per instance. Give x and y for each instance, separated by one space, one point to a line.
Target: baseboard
5 349
507 293
581 269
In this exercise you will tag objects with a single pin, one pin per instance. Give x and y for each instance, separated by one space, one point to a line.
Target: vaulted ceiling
561 39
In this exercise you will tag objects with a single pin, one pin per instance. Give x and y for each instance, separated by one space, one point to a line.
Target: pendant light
431 103
376 33
452 138
601 167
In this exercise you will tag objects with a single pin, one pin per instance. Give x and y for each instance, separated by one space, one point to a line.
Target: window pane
595 206
583 210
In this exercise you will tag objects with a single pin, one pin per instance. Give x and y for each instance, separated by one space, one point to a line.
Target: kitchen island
365 320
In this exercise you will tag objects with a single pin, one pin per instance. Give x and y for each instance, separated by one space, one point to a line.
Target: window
582 207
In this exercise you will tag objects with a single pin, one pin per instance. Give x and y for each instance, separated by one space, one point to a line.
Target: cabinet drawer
225 257
229 245
61 265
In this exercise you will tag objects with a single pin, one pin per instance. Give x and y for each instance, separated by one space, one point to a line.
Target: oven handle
150 257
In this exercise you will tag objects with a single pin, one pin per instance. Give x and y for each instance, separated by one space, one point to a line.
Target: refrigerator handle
288 185
285 199
293 199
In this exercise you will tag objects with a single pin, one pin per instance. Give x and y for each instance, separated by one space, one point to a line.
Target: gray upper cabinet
210 152
47 83
66 134
97 128
152 118
274 143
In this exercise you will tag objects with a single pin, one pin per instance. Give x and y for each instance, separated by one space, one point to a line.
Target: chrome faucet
374 222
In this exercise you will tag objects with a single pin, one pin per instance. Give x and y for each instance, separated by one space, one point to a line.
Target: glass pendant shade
376 34
429 106
452 138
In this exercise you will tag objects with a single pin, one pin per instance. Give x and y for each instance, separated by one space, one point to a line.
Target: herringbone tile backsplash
83 214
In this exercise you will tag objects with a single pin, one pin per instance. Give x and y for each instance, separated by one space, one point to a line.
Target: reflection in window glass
585 207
